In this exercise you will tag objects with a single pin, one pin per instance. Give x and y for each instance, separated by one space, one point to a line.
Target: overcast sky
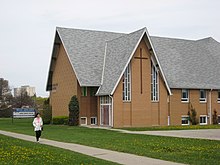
27 28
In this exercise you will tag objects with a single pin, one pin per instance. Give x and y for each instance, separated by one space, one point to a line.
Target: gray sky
27 28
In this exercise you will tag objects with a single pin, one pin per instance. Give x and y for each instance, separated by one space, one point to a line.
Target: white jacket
37 123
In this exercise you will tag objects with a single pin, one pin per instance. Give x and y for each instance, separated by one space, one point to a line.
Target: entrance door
105 115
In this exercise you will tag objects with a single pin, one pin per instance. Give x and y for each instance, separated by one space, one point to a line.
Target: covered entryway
105 111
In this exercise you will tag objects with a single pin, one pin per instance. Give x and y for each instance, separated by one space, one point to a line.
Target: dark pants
38 134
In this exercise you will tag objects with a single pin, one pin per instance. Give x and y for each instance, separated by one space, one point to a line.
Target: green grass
165 128
183 150
15 151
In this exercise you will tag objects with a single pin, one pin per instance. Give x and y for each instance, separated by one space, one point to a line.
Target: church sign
23 112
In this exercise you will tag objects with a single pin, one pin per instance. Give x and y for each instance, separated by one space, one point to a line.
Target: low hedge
60 120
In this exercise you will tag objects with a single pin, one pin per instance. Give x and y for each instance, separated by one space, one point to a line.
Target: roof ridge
174 38
126 34
89 30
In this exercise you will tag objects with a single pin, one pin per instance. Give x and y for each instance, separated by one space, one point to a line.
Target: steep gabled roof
188 63
85 49
99 58
118 55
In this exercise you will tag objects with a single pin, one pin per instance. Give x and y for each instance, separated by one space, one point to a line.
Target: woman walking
38 125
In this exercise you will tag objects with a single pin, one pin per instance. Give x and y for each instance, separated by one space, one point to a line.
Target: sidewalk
113 156
210 134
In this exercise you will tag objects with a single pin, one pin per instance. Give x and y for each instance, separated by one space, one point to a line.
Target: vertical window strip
84 91
218 99
127 84
154 83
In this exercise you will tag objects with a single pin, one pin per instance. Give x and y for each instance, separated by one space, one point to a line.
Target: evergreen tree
74 111
47 112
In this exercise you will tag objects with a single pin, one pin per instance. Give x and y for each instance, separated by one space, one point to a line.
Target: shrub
192 116
60 120
215 117
74 111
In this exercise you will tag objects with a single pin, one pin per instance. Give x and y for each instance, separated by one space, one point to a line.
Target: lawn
189 151
15 151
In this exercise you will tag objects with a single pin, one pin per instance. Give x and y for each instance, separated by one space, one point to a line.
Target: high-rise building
29 90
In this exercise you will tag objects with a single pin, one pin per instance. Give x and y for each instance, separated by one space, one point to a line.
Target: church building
134 79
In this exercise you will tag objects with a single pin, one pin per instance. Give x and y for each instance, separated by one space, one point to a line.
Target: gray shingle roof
189 63
85 49
118 53
185 63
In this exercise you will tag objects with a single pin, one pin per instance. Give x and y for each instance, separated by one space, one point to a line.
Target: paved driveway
212 134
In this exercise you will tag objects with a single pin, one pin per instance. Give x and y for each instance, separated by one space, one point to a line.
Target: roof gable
118 54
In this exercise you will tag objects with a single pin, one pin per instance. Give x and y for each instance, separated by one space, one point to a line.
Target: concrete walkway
113 156
210 134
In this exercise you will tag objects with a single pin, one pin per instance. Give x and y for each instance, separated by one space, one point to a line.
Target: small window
93 120
202 95
185 120
203 120
218 96
185 95
83 121
54 87
218 119
84 91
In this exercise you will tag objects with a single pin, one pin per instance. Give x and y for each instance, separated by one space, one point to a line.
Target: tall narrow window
202 95
84 91
127 84
185 95
154 83
218 99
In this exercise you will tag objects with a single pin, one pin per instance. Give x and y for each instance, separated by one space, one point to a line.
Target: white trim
210 106
68 57
168 120
112 110
100 115
128 61
155 55
103 69
218 98
83 118
95 120
206 120
185 117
